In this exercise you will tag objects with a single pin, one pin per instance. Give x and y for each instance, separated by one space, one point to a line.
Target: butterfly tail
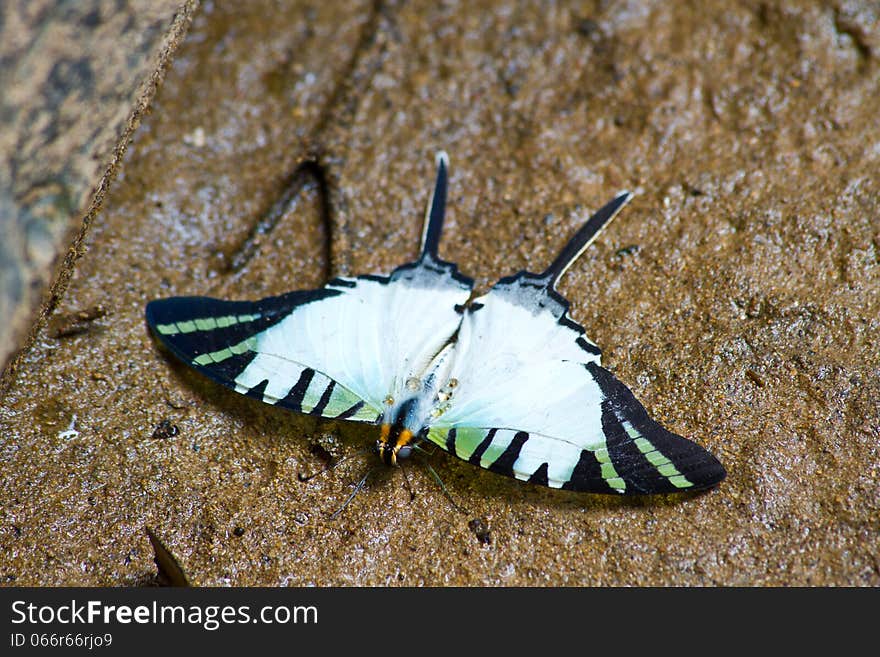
436 209
584 237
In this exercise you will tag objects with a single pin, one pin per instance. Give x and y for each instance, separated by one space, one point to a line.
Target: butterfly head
394 443
401 427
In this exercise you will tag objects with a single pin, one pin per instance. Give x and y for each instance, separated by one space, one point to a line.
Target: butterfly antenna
357 489
436 209
304 478
445 490
583 238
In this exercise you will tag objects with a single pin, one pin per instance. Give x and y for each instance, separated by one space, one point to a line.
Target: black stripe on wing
587 475
503 464
297 393
649 458
499 451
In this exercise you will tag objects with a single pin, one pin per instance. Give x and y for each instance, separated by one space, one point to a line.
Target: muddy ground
738 295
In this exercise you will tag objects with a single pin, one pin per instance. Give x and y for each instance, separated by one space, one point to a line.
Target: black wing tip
156 308
631 435
169 309
708 474
703 473
617 203
547 278
698 466
695 464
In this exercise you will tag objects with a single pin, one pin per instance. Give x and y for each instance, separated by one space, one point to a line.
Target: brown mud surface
738 295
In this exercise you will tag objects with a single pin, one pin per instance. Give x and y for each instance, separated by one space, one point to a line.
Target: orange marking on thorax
403 438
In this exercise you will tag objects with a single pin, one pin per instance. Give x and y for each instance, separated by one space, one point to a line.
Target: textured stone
737 295
75 77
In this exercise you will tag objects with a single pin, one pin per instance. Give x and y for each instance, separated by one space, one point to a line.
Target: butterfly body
506 381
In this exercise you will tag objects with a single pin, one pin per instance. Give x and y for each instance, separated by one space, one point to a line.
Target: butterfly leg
412 493
332 466
357 489
445 490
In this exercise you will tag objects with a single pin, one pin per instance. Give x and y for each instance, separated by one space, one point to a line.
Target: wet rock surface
737 295
75 79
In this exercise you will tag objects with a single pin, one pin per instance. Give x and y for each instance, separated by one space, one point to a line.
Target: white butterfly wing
337 352
334 352
530 400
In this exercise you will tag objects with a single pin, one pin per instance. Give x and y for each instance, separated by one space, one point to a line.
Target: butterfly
506 381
